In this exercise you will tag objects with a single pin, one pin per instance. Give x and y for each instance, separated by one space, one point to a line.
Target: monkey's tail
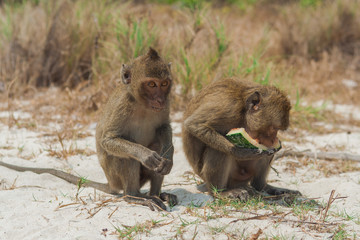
63 175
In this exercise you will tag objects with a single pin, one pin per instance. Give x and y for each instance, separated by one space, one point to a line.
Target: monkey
133 135
225 104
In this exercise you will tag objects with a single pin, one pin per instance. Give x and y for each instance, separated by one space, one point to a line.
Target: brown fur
133 136
221 106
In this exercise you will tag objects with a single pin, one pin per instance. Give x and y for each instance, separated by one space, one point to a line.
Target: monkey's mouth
266 140
157 109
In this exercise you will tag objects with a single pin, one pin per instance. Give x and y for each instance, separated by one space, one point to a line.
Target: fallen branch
319 155
281 219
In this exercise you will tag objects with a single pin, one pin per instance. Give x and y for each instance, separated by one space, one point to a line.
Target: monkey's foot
171 199
280 191
283 196
243 194
154 203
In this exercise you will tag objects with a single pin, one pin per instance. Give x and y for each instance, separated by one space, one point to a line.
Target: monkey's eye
151 84
126 75
164 83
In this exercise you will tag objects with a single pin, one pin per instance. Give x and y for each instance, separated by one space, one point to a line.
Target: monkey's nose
160 101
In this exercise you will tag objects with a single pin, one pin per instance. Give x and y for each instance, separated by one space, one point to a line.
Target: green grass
302 209
308 110
80 185
5 23
134 37
222 43
281 237
340 233
346 216
310 3
218 229
21 148
128 232
253 203
303 114
131 232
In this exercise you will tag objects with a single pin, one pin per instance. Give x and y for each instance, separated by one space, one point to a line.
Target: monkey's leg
261 173
165 150
215 170
156 181
260 184
155 190
127 171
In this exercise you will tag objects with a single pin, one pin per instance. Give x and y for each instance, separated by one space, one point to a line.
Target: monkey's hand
155 162
246 153
165 166
271 151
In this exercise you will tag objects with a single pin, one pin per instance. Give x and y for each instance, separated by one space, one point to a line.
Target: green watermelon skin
239 140
236 136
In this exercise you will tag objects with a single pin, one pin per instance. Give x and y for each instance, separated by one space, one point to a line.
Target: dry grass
324 167
323 43
305 47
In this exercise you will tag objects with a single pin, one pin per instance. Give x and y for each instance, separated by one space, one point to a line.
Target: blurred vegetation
305 47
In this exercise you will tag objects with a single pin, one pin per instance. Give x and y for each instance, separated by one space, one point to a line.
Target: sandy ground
42 206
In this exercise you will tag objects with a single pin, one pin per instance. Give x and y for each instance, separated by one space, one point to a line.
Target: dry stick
279 219
256 235
331 200
195 232
93 214
13 184
113 212
83 202
303 222
321 155
66 205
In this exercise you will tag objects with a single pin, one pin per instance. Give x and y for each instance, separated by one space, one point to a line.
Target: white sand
29 203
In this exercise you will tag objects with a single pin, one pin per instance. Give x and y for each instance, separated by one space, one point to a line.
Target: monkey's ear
125 74
253 102
152 53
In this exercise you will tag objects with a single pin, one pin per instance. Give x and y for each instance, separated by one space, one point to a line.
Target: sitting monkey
133 136
221 106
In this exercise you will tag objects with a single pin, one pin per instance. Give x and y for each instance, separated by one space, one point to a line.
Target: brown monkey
220 107
133 136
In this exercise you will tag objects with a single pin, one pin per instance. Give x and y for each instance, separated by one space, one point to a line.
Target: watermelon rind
241 138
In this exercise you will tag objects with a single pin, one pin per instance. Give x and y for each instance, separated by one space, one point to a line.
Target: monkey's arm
116 145
60 174
203 127
164 135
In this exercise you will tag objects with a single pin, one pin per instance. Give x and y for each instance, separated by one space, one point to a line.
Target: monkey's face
149 80
267 113
154 92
